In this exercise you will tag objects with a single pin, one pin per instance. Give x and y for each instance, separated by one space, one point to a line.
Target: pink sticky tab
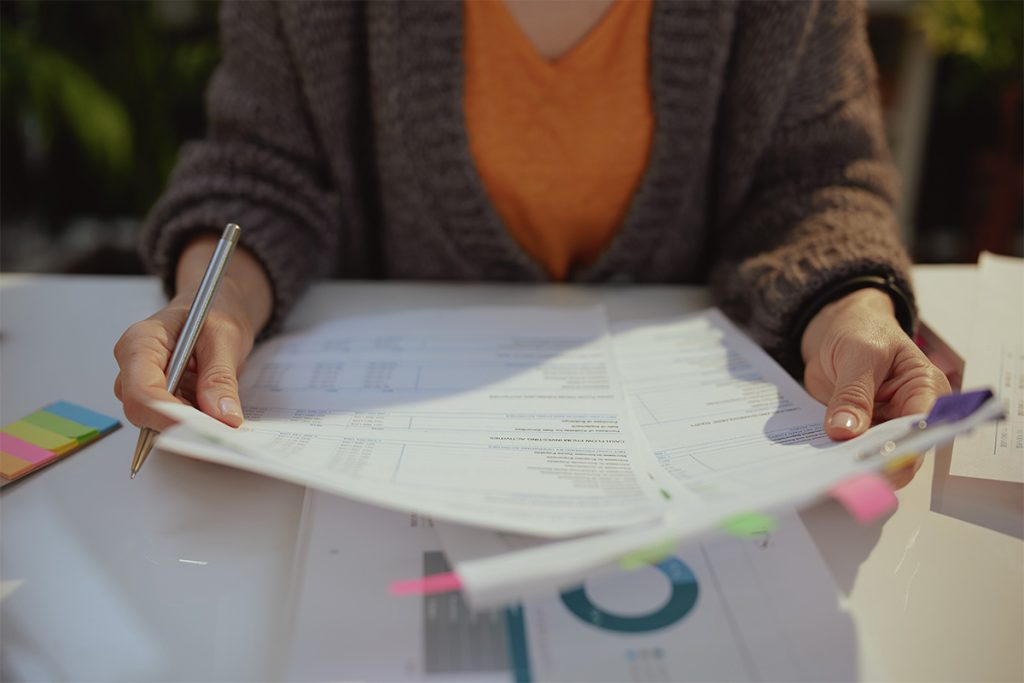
865 496
23 450
436 583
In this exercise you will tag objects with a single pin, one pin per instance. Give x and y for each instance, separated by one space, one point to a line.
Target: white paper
996 359
720 415
510 418
513 419
732 432
346 627
763 608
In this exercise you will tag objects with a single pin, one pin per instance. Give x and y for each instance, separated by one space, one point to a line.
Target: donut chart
680 602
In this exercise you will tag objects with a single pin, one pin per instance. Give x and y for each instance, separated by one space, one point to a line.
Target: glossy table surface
182 574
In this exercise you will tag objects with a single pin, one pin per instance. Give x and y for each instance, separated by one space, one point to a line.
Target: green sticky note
55 423
44 438
749 524
648 556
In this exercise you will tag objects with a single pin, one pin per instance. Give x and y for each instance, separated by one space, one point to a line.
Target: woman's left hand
864 367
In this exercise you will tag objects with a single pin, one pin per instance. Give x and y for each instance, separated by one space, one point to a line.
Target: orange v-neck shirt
560 146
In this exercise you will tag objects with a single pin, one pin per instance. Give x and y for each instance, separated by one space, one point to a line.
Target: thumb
217 365
853 398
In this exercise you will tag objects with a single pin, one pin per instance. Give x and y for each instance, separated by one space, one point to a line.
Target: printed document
996 359
762 608
511 418
516 419
721 417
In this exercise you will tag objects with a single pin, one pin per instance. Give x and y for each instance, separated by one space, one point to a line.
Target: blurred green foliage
984 37
95 100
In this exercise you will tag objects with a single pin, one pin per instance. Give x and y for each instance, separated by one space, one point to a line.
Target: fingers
913 385
859 371
142 354
210 380
219 354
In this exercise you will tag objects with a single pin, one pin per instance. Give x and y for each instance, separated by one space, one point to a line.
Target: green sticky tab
59 425
749 524
44 438
648 556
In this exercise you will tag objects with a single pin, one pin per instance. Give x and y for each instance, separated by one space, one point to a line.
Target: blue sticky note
76 413
953 407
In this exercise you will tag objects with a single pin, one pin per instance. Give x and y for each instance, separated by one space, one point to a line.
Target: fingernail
844 420
229 408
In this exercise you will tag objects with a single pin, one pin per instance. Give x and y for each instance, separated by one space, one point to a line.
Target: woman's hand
210 382
864 367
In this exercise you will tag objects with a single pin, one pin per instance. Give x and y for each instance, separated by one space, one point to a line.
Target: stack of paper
996 359
536 421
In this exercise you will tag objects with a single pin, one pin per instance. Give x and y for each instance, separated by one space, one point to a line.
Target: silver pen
190 332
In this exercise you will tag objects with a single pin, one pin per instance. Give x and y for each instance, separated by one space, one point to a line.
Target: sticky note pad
59 425
900 461
12 468
23 450
749 524
76 413
44 438
952 407
428 585
866 496
647 556
47 435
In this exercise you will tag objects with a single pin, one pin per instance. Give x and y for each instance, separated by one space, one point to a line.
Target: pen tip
133 475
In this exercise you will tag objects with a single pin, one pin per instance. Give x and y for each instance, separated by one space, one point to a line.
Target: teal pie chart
681 600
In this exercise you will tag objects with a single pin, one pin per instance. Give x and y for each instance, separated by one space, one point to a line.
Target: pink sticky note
23 450
436 583
865 496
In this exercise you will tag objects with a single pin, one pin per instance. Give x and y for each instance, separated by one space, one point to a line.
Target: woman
738 144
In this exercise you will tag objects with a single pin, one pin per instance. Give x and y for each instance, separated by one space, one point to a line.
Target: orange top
560 146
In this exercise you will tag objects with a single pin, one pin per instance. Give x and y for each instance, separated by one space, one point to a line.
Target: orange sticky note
11 467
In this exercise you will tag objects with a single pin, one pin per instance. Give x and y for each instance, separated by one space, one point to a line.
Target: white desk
181 574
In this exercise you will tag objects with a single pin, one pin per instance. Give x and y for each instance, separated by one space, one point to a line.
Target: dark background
97 97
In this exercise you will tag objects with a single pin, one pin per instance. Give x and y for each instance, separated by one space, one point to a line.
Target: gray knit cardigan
337 141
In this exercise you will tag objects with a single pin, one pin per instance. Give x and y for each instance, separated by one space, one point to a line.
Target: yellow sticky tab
900 461
749 524
26 431
647 556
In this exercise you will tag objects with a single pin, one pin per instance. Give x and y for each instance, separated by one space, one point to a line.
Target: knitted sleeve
818 208
260 166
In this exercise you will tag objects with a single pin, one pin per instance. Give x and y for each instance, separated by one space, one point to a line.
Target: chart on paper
722 609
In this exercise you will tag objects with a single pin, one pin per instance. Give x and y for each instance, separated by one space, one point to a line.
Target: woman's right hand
210 382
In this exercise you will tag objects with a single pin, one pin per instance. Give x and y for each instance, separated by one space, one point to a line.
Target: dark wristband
901 304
